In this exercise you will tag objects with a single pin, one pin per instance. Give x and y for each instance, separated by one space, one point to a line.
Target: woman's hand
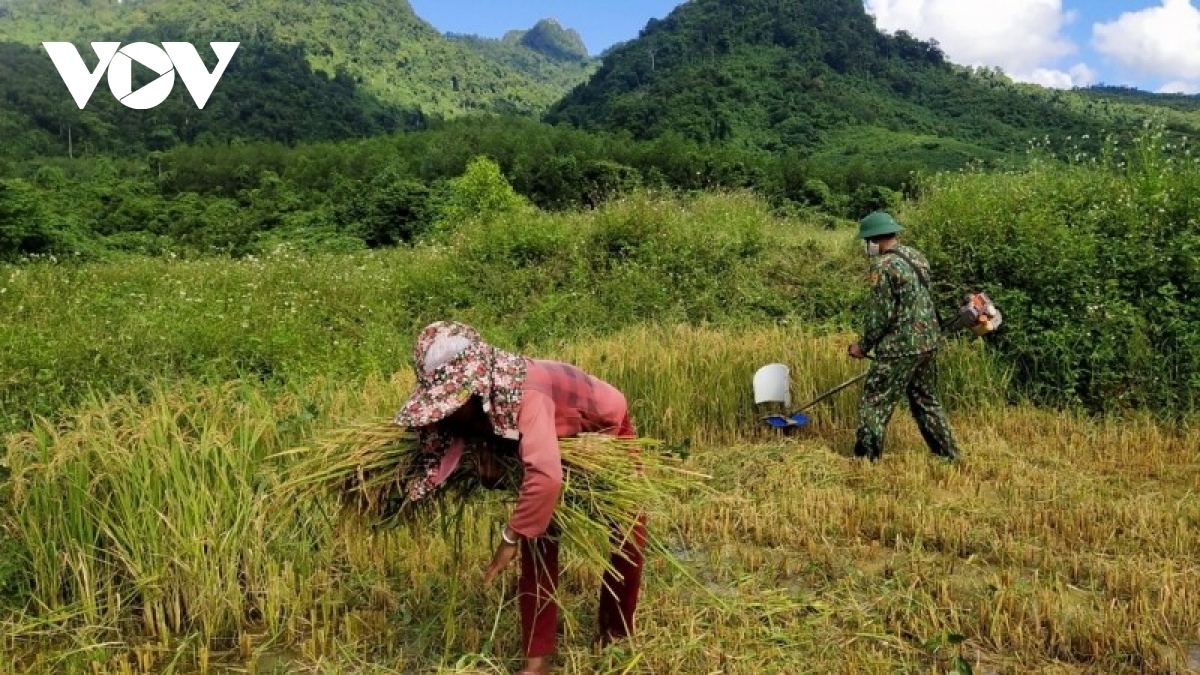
504 555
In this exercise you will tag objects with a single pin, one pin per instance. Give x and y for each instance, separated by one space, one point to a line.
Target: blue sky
601 24
1149 44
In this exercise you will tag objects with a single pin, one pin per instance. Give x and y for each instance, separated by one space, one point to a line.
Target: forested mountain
548 53
269 92
813 77
804 101
304 71
817 77
552 39
1185 103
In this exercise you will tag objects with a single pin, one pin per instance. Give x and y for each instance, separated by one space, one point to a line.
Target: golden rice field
1059 545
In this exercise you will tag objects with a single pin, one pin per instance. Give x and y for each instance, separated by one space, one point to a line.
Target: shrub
1095 264
23 227
481 191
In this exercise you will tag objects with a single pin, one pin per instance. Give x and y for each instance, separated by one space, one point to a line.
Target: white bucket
772 385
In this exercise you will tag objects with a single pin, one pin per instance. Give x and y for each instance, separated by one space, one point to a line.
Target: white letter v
199 82
74 72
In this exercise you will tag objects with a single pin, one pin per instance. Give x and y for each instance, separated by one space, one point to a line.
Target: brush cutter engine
979 315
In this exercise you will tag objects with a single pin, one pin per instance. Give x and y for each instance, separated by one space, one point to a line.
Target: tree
23 227
482 190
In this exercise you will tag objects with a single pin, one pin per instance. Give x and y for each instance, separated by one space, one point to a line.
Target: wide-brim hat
448 363
878 224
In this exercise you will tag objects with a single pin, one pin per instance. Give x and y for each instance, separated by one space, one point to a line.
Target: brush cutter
978 314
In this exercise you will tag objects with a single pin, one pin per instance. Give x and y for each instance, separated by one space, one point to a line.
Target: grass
150 403
1052 548
718 259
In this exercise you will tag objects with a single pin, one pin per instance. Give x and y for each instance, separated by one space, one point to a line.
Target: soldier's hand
856 352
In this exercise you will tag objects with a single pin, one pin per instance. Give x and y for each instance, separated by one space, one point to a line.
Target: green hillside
304 71
817 77
804 102
548 53
778 76
552 39
1178 112
1187 103
269 92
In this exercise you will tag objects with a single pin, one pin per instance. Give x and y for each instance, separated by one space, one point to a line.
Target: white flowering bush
1096 262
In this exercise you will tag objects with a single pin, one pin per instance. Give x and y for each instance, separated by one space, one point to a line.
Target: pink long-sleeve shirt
559 401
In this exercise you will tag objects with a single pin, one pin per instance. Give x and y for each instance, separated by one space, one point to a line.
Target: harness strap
921 276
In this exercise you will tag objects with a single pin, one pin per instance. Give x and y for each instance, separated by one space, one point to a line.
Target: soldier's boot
937 443
869 444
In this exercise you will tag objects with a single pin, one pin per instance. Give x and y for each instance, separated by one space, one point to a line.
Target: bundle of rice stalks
607 482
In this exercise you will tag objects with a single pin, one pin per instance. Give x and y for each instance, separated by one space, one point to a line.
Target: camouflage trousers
915 378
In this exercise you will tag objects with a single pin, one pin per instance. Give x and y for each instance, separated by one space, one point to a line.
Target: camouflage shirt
901 319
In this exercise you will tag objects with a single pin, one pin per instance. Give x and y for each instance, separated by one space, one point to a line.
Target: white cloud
1023 37
1180 87
1080 75
1083 75
1163 40
1053 79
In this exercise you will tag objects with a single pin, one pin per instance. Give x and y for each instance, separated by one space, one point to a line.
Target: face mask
871 248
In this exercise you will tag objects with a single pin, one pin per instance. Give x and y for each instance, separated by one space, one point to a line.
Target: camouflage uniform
901 328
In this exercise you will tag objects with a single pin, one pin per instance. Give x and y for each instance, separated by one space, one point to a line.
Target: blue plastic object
782 422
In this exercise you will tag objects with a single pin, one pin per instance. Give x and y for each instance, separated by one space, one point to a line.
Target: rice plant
154 539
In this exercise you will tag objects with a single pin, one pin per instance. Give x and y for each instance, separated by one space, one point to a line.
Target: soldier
901 328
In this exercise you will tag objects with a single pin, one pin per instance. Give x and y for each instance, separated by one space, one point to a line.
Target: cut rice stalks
609 483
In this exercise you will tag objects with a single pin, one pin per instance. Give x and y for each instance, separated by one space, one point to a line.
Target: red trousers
618 592
539 582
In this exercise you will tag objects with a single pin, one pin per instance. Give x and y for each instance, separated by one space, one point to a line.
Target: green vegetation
550 38
381 191
1097 262
269 92
798 75
821 84
718 108
183 295
548 53
530 277
1185 103
547 39
310 71
223 363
